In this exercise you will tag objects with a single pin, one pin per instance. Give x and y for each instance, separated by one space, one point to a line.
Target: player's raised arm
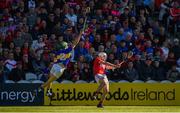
76 41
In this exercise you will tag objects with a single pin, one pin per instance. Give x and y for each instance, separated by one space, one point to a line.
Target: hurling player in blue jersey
61 59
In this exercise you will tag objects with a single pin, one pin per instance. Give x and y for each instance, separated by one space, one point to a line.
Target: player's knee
106 89
103 82
106 83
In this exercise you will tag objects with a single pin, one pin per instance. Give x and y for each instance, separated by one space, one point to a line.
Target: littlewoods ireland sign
120 94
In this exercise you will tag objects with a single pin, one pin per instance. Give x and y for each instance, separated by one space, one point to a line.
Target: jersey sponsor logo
62 56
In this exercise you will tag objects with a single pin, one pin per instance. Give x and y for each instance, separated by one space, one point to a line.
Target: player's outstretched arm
76 41
113 66
110 65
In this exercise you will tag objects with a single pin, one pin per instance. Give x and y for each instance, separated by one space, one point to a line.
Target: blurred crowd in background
143 33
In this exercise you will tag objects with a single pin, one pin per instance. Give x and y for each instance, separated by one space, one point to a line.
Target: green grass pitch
89 109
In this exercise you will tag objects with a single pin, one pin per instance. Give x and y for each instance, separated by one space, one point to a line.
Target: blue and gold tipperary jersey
63 56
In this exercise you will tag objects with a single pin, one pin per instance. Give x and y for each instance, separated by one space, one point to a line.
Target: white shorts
57 70
100 77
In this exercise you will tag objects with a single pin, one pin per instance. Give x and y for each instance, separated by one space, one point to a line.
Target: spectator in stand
26 35
141 40
43 28
121 4
5 53
138 64
64 25
137 49
46 56
176 48
108 47
114 51
90 55
51 41
27 63
19 40
120 35
26 58
25 49
130 72
86 73
170 61
161 34
115 11
87 43
75 74
111 58
80 50
18 53
50 22
97 41
9 64
158 55
132 22
31 18
46 40
80 62
155 43
122 47
125 14
56 28
149 34
11 47
159 71
101 48
164 11
129 41
148 47
72 16
9 37
17 73
38 65
173 74
165 50
79 24
37 47
147 71
68 34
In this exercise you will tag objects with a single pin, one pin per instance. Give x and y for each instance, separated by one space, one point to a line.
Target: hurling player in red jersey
99 67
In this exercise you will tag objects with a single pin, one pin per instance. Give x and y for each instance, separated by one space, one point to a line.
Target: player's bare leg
102 84
49 86
49 91
48 83
105 92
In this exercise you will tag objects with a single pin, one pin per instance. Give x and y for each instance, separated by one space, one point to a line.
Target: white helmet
102 55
